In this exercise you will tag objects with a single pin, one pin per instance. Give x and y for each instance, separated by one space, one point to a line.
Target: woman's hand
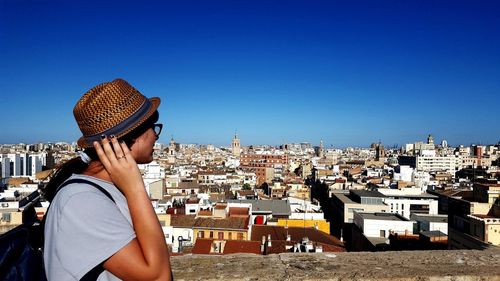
145 257
120 165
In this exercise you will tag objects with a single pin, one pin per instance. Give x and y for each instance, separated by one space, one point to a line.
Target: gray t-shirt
84 228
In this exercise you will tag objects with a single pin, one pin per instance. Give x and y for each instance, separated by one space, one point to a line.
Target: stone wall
461 265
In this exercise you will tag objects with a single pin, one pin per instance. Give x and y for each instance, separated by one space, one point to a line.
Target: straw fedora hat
111 108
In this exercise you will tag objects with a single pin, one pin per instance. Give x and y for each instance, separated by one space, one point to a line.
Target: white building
382 224
405 173
421 179
431 222
16 164
232 162
374 172
304 209
4 167
212 178
21 164
181 232
448 164
407 201
152 170
182 235
34 164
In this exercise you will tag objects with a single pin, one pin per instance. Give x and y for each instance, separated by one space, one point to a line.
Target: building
430 223
372 230
263 211
21 164
208 246
431 163
230 228
379 152
180 191
236 146
474 218
282 239
182 232
407 201
403 173
212 177
344 205
265 166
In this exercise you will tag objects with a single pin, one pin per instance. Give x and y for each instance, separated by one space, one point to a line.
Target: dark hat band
124 125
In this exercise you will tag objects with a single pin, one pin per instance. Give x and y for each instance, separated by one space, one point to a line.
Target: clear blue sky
347 72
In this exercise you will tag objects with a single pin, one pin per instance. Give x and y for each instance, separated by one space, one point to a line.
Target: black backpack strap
94 273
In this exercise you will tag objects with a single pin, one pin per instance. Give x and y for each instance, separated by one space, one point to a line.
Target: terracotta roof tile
237 211
202 246
242 246
182 220
278 233
226 223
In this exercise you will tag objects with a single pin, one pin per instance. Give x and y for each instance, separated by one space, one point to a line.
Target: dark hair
77 166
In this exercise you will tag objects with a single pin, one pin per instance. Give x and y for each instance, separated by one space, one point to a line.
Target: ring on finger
121 157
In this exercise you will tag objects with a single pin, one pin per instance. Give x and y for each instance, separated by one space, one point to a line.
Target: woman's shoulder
82 187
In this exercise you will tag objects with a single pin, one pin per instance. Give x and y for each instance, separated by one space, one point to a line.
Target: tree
246 186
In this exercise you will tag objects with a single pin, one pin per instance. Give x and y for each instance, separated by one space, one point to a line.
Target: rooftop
430 218
367 193
277 207
226 223
382 216
433 233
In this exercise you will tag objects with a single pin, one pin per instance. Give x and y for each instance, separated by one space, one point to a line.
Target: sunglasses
157 129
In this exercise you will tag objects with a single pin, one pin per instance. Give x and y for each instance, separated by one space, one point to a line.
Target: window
230 236
211 234
240 236
382 233
220 235
6 217
201 234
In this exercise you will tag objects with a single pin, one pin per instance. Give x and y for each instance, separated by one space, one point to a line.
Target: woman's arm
146 257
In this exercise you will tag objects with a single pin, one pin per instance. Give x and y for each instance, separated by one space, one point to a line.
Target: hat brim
155 103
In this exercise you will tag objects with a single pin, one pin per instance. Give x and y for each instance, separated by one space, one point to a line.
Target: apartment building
371 231
474 218
266 166
407 201
344 205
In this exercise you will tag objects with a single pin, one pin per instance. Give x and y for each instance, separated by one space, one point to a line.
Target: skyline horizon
275 71
313 144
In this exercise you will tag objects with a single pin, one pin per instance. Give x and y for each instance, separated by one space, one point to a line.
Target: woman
110 232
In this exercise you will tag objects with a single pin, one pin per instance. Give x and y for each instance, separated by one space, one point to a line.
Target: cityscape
297 197
301 140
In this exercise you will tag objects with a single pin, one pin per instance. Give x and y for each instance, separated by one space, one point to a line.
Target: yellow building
231 228
220 234
475 220
321 225
9 219
164 219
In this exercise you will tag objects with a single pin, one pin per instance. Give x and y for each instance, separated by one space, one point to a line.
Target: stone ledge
406 265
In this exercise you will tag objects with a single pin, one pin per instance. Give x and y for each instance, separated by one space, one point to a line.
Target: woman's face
142 148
